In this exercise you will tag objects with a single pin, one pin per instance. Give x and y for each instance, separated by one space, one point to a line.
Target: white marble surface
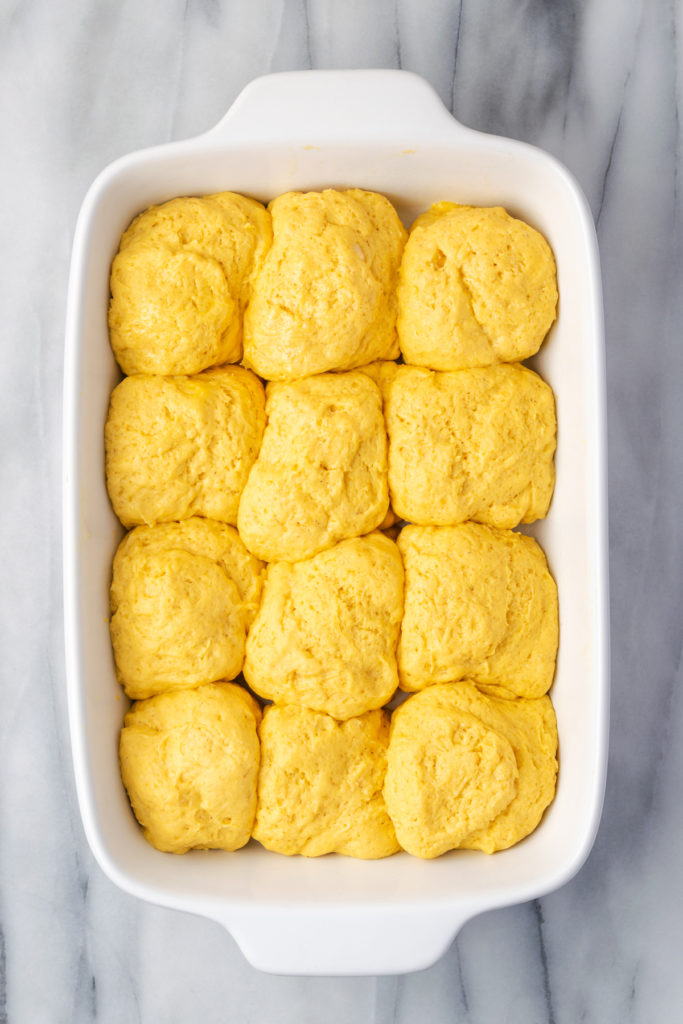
599 84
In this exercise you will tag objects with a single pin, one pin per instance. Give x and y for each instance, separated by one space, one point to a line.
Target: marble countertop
599 85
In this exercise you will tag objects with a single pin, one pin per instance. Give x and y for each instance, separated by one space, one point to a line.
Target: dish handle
345 941
309 107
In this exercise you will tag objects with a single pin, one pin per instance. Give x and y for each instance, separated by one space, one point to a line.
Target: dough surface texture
321 473
325 296
428 778
182 446
477 287
182 598
320 784
190 761
448 774
479 603
325 635
470 444
181 280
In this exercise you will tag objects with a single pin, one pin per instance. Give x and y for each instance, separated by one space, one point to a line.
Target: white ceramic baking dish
387 131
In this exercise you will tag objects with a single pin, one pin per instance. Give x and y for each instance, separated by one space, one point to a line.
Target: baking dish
386 131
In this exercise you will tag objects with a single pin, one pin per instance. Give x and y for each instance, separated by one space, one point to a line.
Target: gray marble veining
597 83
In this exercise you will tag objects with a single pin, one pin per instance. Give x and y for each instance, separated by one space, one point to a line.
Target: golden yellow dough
470 444
321 473
383 372
181 280
325 635
479 602
190 763
325 297
182 446
320 784
476 287
182 598
448 773
531 729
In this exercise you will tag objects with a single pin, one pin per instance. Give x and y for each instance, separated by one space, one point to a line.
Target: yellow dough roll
325 296
326 632
470 444
182 598
190 762
477 287
448 774
479 602
320 784
321 473
530 727
181 280
182 446
451 785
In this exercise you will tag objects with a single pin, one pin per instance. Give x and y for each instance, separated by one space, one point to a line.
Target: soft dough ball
320 784
325 635
476 287
182 446
182 598
181 280
448 774
479 602
469 770
321 473
325 297
470 444
190 762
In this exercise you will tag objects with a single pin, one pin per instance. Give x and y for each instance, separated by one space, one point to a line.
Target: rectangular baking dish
386 131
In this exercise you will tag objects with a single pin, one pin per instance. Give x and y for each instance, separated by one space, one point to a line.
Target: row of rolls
326 281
